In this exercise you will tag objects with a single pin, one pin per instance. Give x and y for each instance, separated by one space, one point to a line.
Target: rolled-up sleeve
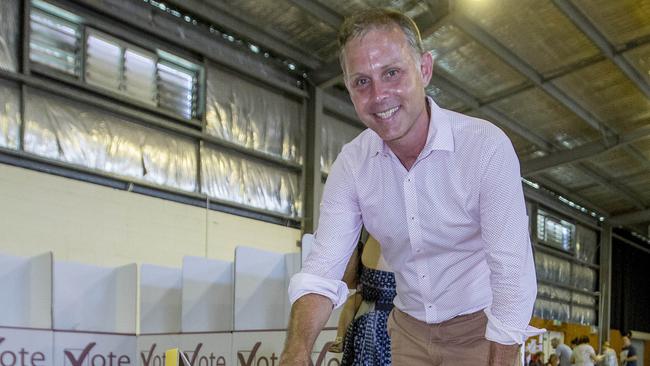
335 239
504 229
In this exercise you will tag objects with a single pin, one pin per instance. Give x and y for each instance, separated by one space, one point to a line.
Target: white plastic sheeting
334 134
552 268
581 315
586 244
546 309
9 115
553 293
70 132
252 116
584 278
9 23
235 178
582 299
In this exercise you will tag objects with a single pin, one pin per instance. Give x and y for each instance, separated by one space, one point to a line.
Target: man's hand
502 354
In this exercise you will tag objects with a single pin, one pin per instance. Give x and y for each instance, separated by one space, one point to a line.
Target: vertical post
604 315
24 37
313 182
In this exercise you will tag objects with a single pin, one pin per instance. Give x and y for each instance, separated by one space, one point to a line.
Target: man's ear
426 67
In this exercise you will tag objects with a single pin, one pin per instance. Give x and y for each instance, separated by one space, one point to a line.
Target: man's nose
379 91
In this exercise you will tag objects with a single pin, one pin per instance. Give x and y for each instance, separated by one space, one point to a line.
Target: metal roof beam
588 150
625 192
319 11
572 195
514 61
218 13
580 20
491 112
635 217
563 157
518 64
328 75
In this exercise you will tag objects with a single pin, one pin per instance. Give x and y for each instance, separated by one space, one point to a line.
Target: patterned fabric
453 228
366 340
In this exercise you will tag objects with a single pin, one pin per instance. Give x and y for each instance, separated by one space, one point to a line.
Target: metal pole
312 175
604 315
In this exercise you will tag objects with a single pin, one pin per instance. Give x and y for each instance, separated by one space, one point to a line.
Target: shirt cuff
306 283
501 333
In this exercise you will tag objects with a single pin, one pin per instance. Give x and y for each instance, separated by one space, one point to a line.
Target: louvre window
156 77
555 232
115 65
54 41
140 76
177 89
103 62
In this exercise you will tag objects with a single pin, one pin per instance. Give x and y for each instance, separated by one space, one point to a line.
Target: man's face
626 341
554 343
386 81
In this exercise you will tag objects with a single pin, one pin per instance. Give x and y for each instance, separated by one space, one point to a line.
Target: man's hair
359 24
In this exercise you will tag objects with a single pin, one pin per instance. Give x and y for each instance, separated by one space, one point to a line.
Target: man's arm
308 317
504 229
633 357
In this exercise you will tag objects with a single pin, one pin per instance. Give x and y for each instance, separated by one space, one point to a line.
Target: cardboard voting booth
207 295
160 299
26 288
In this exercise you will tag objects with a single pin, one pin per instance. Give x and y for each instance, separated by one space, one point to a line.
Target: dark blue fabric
366 339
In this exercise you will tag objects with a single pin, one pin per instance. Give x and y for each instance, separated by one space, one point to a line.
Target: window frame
90 23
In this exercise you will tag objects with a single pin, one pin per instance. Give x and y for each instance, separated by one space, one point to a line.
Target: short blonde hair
359 24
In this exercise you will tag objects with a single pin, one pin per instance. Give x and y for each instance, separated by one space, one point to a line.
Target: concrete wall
93 224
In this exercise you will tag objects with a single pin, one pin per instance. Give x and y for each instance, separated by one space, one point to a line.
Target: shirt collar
439 135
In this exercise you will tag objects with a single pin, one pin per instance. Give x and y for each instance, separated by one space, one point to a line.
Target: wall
93 224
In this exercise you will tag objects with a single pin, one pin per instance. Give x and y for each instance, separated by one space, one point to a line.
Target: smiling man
441 192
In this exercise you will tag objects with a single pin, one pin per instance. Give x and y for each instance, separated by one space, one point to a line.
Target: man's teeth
388 113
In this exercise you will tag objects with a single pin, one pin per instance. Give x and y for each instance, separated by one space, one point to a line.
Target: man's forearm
308 317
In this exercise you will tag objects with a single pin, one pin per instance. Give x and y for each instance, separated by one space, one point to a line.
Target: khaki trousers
459 341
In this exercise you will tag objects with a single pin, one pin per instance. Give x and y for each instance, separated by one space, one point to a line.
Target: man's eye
362 82
392 73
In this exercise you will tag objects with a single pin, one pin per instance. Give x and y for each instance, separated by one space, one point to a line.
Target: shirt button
429 306
424 276
412 217
417 250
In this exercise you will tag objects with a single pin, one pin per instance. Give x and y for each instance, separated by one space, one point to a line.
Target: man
629 357
562 351
442 194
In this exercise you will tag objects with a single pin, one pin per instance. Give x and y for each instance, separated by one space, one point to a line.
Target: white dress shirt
454 228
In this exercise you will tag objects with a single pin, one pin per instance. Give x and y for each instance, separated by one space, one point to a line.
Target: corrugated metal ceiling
594 97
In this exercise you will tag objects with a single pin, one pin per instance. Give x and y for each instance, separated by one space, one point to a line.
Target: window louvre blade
177 89
103 62
54 42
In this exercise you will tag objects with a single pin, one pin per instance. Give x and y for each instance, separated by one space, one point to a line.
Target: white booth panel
207 295
91 298
160 299
26 283
260 289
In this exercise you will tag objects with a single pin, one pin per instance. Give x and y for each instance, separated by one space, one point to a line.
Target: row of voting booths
216 312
